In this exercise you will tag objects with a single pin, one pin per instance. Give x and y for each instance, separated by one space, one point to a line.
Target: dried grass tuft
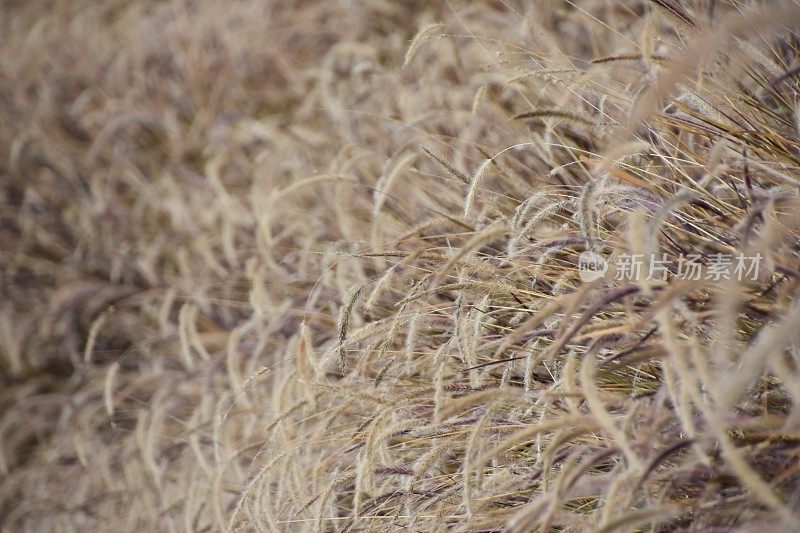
246 284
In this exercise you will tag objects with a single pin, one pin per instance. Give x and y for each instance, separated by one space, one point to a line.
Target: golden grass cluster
313 265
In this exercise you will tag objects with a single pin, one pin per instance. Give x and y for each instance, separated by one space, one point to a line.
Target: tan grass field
316 265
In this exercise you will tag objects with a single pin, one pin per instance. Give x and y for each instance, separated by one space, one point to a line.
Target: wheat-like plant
316 266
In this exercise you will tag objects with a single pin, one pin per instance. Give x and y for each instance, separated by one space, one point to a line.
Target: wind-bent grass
295 266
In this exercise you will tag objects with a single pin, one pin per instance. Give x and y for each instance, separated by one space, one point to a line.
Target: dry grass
312 265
